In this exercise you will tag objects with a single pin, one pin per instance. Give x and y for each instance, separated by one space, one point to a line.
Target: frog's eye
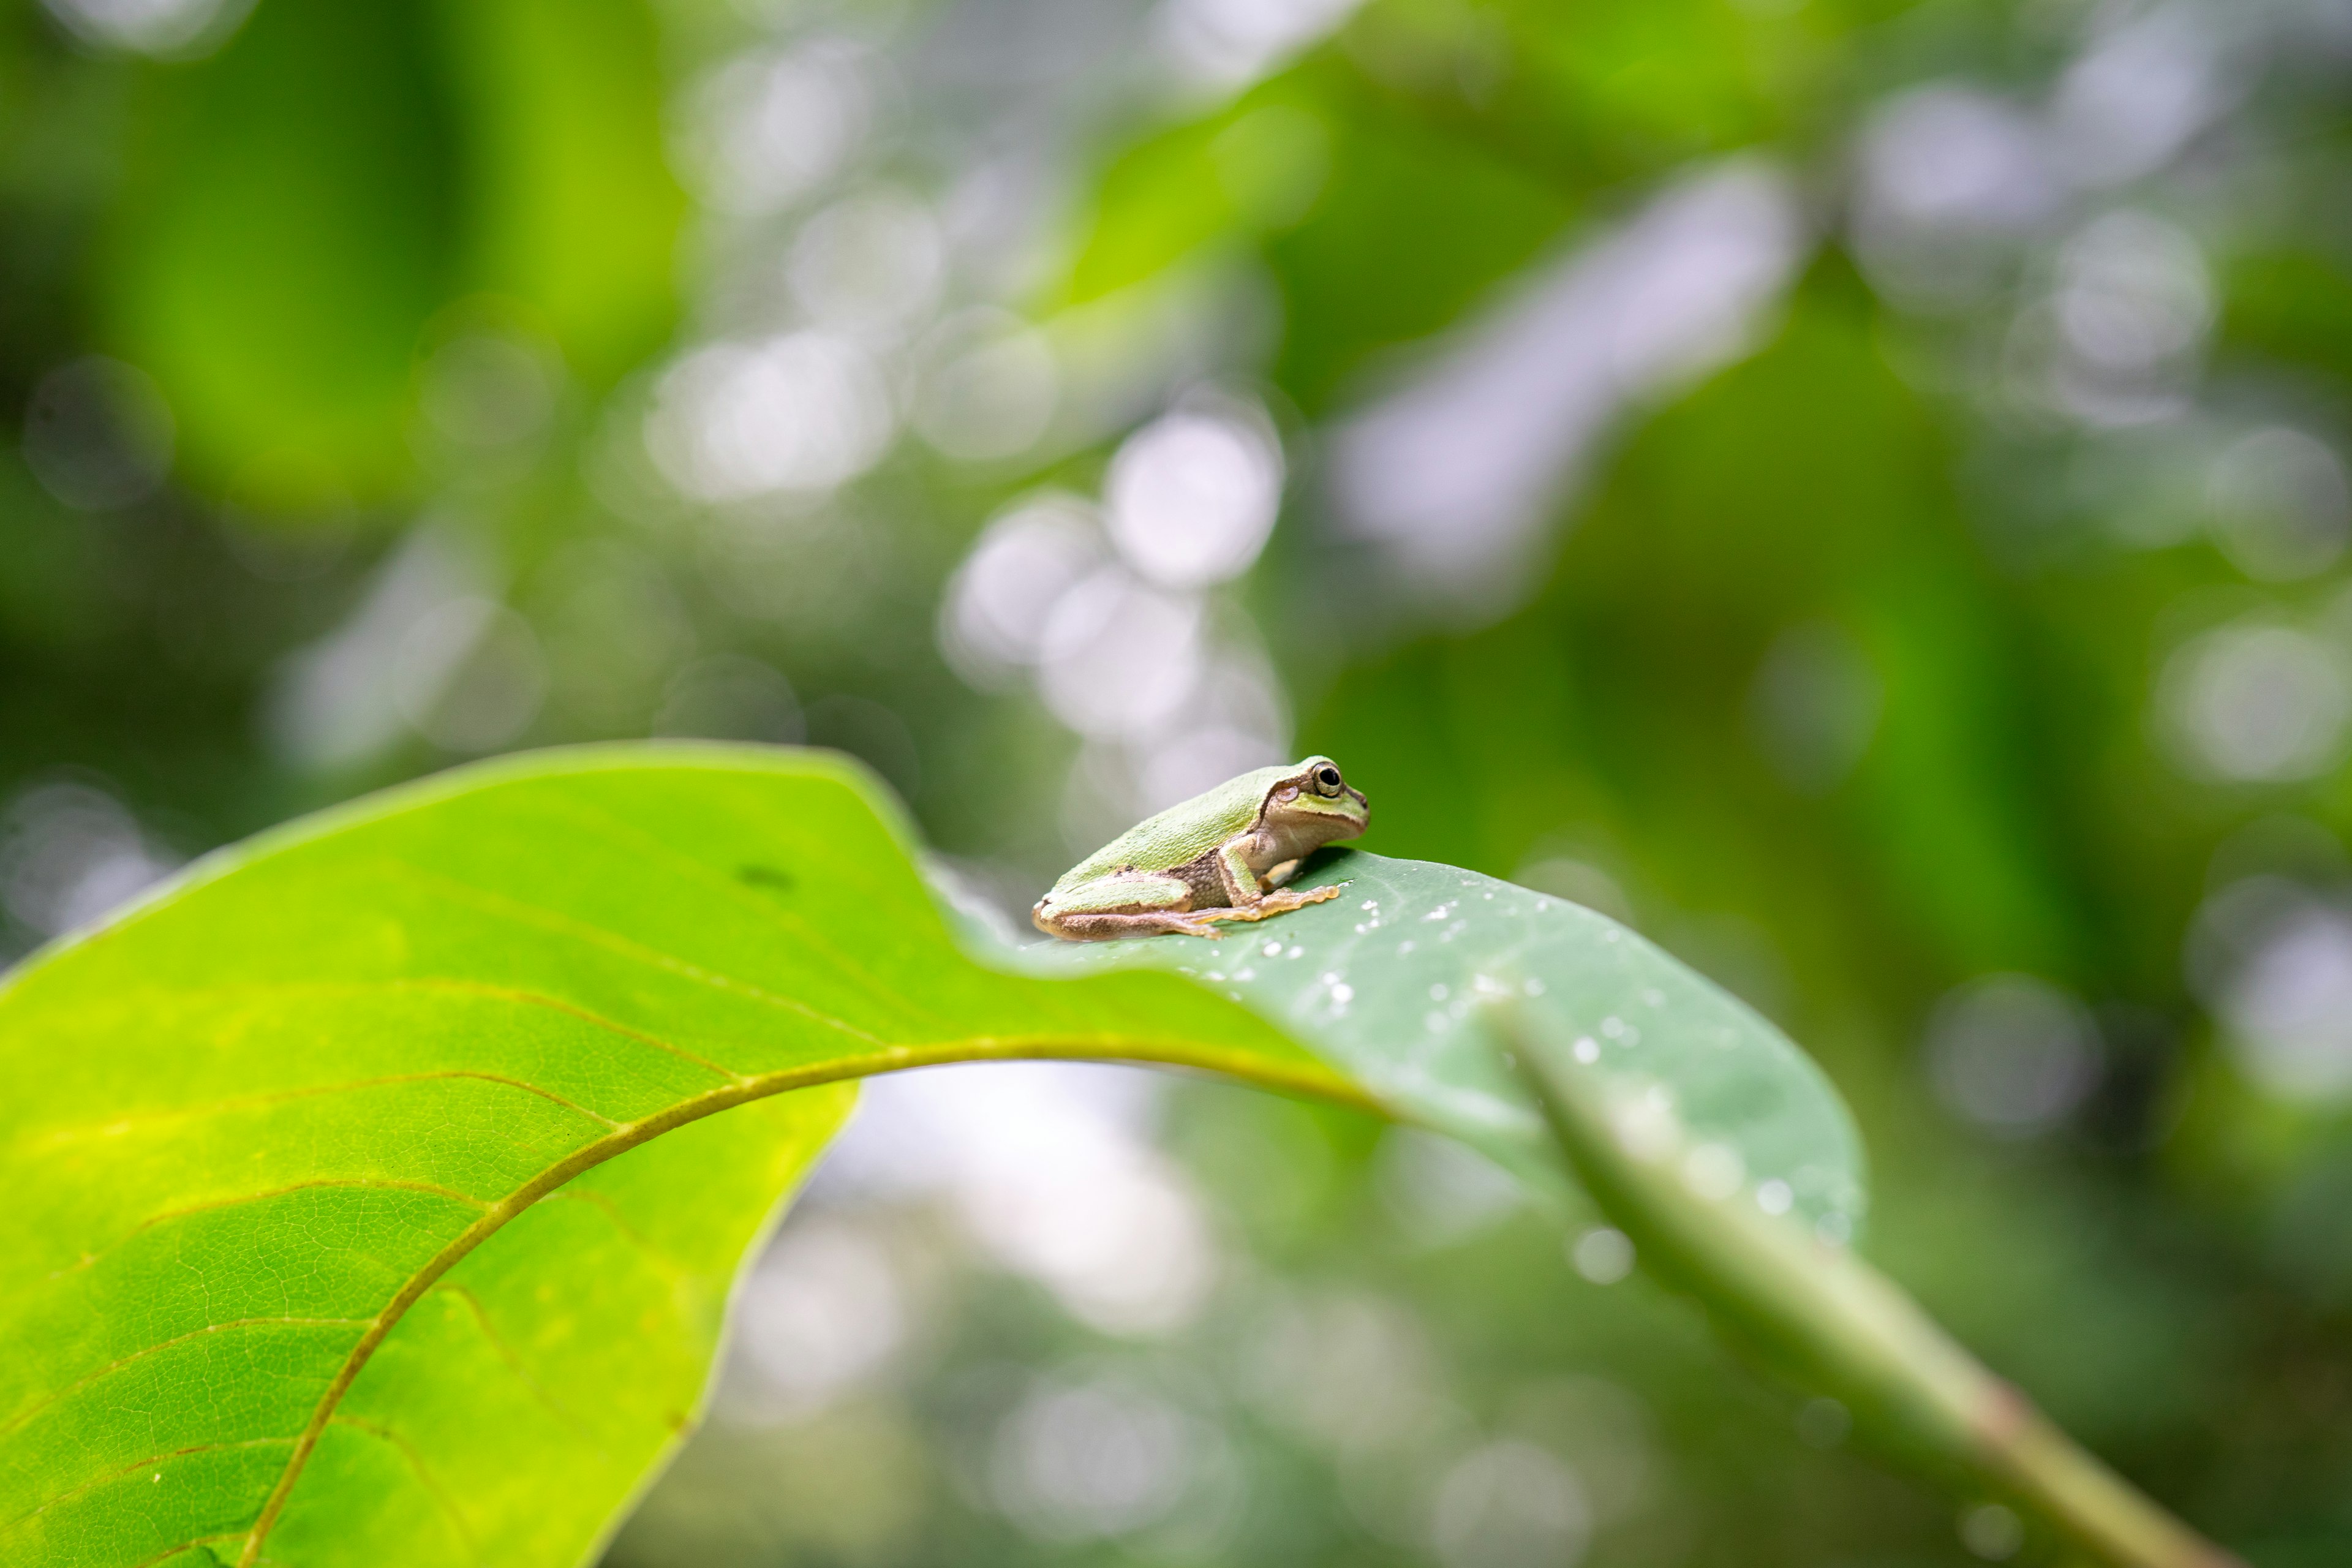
1327 780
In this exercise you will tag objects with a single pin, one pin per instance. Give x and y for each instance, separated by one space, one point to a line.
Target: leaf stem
1828 1321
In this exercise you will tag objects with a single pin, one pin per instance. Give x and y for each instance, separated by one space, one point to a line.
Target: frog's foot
1272 904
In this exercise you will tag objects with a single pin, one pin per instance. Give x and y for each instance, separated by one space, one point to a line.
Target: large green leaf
276 1275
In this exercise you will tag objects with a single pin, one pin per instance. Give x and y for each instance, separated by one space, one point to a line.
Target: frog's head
1311 805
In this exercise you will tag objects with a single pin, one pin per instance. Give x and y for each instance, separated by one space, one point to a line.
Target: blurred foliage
1912 645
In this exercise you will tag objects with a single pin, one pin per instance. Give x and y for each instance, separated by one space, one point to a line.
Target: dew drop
1714 1171
1602 1255
1646 1126
1823 1424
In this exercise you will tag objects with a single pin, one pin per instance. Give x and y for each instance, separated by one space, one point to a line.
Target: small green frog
1222 855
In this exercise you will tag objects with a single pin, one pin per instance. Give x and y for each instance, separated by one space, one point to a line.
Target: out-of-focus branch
1830 1322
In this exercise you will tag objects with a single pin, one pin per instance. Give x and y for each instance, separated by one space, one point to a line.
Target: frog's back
1184 832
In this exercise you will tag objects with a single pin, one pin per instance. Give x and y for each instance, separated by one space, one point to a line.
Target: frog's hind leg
1110 928
1131 904
1280 902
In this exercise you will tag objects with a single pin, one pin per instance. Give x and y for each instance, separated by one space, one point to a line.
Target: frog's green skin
1222 855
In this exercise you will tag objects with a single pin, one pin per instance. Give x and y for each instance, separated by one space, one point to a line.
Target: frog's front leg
1131 904
1241 886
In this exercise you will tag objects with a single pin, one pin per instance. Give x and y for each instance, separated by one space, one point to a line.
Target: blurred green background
1855 489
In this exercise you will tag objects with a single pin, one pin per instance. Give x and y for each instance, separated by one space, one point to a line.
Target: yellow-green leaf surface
367 1199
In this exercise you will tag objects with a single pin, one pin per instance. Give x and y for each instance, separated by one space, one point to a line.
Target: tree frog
1222 855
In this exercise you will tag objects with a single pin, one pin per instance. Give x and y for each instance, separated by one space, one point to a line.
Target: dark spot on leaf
774 876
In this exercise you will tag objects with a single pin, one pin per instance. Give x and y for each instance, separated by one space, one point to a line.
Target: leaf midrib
1305 1080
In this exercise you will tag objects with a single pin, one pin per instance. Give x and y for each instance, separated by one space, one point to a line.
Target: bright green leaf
366 1185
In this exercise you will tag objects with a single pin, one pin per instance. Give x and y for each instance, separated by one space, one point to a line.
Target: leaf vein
499 904
177 1547
308 1091
136 1464
639 842
407 1451
456 985
91 1259
670 1266
24 1416
513 1359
